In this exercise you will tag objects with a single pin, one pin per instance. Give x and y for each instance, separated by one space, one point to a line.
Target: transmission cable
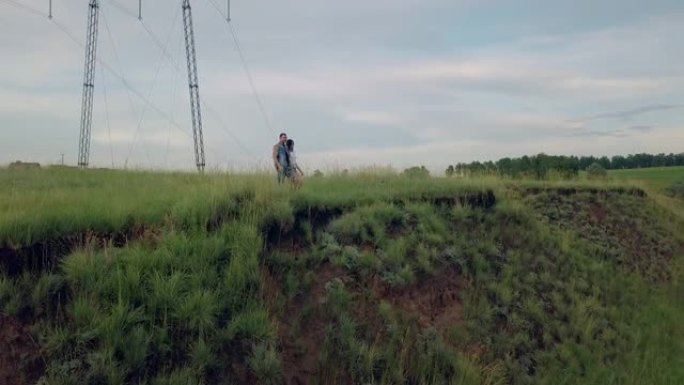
110 69
109 127
206 107
173 103
245 67
152 85
123 81
26 8
117 58
123 8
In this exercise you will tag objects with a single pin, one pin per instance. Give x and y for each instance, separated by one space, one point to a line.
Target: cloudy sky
354 82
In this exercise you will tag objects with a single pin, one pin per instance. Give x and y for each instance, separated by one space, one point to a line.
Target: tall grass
204 292
46 204
147 313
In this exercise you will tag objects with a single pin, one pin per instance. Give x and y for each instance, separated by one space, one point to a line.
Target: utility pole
194 86
88 85
50 13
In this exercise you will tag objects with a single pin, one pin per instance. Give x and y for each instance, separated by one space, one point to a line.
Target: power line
117 58
122 8
123 80
173 103
250 79
154 81
109 127
245 67
26 8
148 103
211 111
109 68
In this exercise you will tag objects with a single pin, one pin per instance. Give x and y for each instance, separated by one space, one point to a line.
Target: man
280 158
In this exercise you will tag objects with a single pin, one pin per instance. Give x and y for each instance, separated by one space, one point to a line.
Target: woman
295 173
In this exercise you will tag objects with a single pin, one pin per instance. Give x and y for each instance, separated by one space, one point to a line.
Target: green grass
657 181
363 278
36 205
657 178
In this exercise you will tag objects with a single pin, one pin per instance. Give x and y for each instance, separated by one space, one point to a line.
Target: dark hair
290 144
282 134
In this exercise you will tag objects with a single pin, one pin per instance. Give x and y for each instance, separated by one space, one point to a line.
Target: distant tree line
542 166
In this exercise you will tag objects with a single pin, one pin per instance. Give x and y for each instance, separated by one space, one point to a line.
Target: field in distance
656 177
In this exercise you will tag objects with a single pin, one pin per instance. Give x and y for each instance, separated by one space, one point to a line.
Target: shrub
596 171
266 365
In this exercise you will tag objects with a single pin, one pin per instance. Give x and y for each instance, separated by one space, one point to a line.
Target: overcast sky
354 82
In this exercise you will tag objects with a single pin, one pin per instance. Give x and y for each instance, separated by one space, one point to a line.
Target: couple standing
285 161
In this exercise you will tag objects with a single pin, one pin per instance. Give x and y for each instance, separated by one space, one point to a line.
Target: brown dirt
435 302
598 211
46 255
567 191
302 337
292 244
485 200
20 359
634 239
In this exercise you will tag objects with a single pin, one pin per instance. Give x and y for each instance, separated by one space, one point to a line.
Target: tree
618 162
504 167
586 161
541 166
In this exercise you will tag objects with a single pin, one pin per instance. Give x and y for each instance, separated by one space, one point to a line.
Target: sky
355 83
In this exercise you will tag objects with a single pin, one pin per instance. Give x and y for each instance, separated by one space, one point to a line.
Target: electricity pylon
194 86
88 85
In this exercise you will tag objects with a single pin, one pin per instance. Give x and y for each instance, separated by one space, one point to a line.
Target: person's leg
282 160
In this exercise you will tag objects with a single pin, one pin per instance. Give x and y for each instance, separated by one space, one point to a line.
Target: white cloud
26 103
374 118
352 76
437 155
146 137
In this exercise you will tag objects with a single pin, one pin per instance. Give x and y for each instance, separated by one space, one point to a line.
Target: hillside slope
118 278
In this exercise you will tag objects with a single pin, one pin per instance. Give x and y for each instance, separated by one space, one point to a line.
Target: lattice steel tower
194 86
88 85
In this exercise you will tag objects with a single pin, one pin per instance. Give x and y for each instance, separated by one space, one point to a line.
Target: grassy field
657 178
110 277
657 181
